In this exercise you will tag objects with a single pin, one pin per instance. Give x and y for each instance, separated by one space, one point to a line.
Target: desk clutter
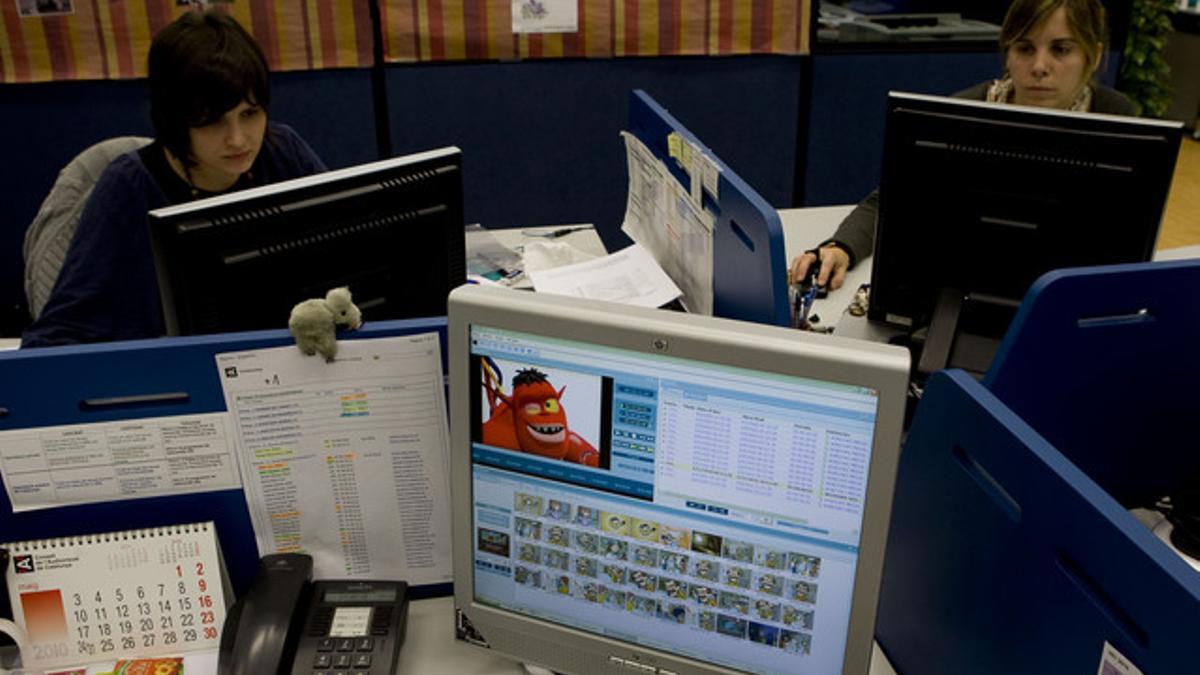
272 450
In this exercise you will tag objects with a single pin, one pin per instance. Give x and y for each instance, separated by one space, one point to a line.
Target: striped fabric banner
109 39
441 30
53 47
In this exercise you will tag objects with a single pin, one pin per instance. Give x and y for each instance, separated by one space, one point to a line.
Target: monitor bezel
720 341
171 227
295 184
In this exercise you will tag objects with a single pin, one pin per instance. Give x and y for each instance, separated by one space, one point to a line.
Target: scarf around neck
1001 91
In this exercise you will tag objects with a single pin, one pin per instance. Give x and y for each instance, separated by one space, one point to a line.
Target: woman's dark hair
1085 18
202 65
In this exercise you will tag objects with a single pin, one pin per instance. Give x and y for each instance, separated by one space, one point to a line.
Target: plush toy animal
314 323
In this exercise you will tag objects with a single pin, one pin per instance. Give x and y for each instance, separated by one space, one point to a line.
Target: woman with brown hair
1052 50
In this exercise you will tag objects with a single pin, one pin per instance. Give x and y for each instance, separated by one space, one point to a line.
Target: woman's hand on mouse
835 263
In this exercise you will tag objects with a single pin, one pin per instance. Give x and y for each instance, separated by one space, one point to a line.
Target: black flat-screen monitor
392 231
978 200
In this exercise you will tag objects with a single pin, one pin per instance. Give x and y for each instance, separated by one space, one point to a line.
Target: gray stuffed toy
314 323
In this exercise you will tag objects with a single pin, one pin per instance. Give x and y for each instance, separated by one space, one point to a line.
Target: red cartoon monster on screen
533 420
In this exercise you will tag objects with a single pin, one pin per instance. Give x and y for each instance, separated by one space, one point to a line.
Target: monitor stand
965 332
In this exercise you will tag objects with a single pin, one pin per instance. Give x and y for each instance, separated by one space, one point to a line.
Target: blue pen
808 303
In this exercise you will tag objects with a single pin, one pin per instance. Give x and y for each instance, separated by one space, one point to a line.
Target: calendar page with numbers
134 593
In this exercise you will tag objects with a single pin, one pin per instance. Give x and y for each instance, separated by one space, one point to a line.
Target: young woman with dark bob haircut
209 98
1052 49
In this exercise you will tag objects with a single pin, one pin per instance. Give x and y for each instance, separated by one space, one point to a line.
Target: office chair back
49 235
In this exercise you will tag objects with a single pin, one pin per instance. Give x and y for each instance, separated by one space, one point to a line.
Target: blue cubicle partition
46 387
1010 549
749 270
1129 335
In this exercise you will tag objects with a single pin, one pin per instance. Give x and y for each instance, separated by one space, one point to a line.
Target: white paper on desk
629 276
44 467
544 255
661 216
347 461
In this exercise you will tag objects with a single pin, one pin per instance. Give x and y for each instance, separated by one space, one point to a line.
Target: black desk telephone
288 624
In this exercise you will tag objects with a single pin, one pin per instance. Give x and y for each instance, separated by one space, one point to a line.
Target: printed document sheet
630 276
44 467
667 218
347 460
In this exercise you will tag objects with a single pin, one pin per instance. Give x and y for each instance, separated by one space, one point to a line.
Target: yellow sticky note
674 145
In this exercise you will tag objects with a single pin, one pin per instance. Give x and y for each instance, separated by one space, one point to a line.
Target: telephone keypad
353 628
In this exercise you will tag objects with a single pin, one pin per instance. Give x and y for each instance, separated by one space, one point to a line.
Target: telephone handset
286 623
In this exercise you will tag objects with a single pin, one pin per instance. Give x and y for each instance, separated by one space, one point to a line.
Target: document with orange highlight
114 595
346 460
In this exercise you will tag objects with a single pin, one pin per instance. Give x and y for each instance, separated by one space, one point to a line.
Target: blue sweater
107 288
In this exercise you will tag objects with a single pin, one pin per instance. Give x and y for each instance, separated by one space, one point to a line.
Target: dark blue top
107 288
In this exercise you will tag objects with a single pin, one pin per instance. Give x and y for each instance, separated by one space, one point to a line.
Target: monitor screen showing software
703 510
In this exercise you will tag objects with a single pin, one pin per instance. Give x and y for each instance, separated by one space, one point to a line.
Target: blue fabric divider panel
45 387
42 127
849 99
540 138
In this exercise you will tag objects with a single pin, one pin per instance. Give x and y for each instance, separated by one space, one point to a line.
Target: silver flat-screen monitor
671 493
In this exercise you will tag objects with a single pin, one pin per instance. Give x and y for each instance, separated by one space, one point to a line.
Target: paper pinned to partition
545 16
347 461
68 464
662 216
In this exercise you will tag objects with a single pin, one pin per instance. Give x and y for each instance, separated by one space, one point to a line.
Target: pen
808 303
554 234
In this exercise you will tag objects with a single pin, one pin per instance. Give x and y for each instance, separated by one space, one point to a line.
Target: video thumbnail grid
699 579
